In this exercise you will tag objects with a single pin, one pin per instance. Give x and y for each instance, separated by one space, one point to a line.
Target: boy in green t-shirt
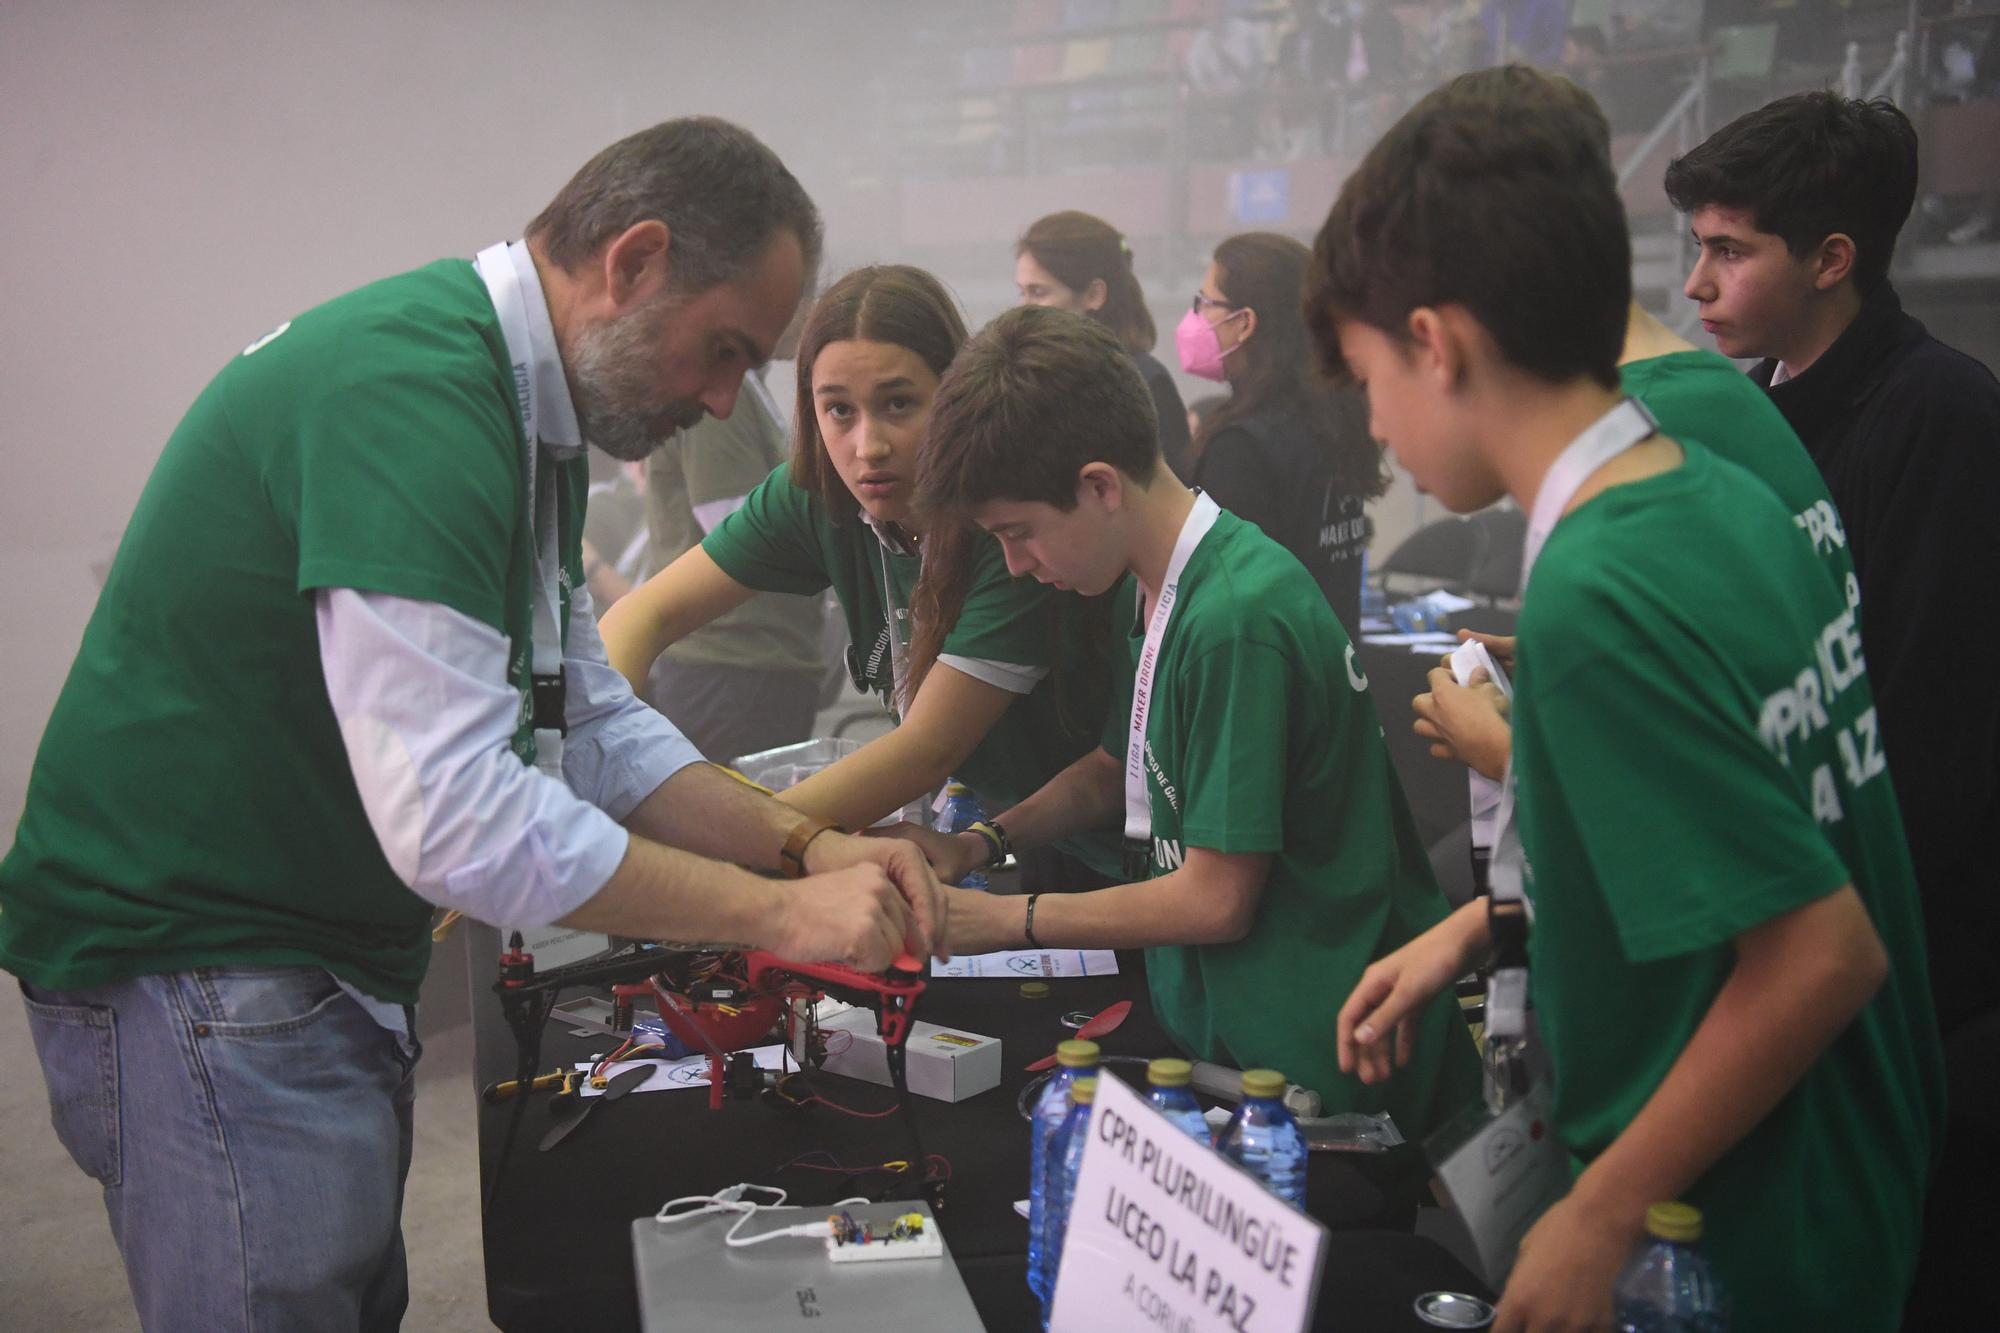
1726 954
1268 840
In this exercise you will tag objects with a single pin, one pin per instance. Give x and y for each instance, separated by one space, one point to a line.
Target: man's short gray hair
721 192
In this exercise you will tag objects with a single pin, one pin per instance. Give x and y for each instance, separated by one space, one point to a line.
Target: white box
945 1063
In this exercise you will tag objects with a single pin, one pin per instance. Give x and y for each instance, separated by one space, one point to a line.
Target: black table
557 1240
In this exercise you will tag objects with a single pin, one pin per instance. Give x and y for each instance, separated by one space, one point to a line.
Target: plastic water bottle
1065 1153
961 812
1168 1093
1668 1287
1264 1140
1074 1060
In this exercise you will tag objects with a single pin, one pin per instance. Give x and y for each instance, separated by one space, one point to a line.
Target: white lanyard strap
499 268
1609 436
1138 801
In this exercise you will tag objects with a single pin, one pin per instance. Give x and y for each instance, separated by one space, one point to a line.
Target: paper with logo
1505 1176
1166 1233
1030 963
687 1071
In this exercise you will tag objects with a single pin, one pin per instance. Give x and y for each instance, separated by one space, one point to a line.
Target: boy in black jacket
1795 208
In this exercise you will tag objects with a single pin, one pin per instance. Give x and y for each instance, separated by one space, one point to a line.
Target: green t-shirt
1700 396
783 540
1262 738
715 461
1696 753
191 803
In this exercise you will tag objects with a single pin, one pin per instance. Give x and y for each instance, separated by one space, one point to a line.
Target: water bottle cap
954 789
1083 1092
1263 1083
1679 1222
1034 990
1074 1054
1169 1073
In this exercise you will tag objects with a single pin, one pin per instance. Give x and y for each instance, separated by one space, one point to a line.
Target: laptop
690 1282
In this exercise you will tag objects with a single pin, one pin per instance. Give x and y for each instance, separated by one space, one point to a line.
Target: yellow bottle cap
1083 1092
1169 1073
1263 1083
1074 1054
1678 1222
1034 990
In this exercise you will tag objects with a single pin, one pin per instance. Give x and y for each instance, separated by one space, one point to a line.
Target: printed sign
1168 1236
1261 196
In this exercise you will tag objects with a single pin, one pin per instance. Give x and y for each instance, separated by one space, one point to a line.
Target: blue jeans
251 1129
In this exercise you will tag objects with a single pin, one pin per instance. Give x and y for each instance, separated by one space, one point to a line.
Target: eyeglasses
1202 303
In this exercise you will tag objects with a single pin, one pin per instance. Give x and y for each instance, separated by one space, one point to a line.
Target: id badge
1504 1172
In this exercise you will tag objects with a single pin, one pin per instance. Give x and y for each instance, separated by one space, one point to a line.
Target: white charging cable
731 1200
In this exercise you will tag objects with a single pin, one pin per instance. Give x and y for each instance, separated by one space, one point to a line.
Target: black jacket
1270 469
1906 432
1172 412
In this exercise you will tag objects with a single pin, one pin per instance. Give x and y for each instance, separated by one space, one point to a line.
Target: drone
716 1000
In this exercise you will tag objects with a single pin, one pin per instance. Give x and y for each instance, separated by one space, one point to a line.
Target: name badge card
1504 1176
1166 1233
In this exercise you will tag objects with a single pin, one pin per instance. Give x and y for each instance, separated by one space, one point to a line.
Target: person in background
1796 208
749 680
1287 450
306 711
991 711
1725 950
614 530
1075 261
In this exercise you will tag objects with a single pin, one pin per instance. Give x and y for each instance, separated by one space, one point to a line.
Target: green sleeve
409 484
1232 700
772 543
1004 619
1691 828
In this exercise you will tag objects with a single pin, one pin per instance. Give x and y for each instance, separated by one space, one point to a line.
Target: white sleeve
618 751
420 693
1012 677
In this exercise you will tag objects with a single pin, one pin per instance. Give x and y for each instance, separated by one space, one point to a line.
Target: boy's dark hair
1033 397
1496 193
1807 166
721 192
1077 248
885 303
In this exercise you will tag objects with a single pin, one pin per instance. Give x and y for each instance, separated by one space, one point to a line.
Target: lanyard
508 272
1138 801
1511 911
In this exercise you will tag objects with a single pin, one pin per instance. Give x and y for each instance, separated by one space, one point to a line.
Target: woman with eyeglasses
1013 697
1287 450
1076 261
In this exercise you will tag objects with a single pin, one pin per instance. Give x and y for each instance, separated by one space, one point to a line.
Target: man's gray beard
612 365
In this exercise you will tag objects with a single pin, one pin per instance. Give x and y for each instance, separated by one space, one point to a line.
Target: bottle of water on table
1167 1092
961 812
1264 1140
1668 1286
1074 1060
1065 1153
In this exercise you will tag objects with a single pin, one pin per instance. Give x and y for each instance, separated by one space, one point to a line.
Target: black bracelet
997 846
1028 929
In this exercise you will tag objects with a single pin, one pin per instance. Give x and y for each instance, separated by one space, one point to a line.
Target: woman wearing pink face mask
1287 451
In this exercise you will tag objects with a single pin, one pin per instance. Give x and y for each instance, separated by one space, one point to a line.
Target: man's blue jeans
251 1129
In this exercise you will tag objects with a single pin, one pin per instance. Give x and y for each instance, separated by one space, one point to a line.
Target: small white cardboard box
944 1063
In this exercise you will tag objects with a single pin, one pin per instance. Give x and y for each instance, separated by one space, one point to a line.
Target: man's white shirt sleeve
420 693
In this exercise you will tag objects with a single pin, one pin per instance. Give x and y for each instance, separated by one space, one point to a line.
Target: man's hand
1563 1275
1373 1032
952 855
906 868
1467 722
857 916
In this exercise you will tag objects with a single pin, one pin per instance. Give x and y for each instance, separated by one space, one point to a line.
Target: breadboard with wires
910 1236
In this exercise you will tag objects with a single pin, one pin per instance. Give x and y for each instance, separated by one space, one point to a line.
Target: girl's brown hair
887 303
1266 272
1079 248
